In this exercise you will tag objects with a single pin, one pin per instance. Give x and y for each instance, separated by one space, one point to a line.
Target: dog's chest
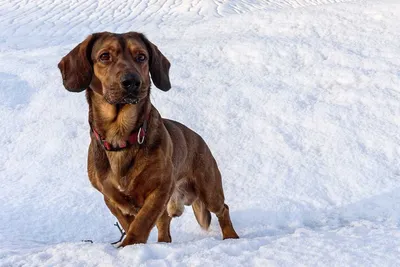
120 164
122 184
122 187
119 191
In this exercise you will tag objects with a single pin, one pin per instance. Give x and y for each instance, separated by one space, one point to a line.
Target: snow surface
299 101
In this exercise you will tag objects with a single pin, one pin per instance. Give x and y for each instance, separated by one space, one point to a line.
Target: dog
148 168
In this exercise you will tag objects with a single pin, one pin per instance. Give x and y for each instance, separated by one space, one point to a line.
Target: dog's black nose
130 81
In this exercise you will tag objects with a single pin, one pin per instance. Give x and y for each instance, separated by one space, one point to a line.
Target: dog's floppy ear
76 67
159 66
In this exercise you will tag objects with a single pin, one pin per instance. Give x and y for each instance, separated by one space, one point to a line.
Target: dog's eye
105 57
141 58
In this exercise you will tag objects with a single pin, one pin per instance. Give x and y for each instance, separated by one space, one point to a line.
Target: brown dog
146 167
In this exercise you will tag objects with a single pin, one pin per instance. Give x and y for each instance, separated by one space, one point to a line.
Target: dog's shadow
186 229
258 223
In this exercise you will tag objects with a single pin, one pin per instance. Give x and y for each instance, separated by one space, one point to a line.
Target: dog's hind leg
214 201
163 226
217 206
226 223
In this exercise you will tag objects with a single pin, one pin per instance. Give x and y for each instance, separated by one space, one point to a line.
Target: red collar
136 137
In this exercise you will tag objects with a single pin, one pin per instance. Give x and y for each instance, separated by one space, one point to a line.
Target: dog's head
116 66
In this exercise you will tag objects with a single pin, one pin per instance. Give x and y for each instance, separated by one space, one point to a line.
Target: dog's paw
117 245
130 240
127 241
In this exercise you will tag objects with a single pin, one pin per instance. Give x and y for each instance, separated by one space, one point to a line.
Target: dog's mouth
128 99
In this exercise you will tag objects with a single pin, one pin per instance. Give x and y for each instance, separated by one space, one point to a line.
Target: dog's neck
116 122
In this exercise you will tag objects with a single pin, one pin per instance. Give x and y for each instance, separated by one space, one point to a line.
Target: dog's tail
202 214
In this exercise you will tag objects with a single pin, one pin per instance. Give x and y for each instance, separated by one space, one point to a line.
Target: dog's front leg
124 219
154 205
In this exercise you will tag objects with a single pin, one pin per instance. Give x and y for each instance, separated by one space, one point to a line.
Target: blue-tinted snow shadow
249 223
382 208
14 92
379 209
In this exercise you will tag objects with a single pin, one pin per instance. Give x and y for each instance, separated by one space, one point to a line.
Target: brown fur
143 185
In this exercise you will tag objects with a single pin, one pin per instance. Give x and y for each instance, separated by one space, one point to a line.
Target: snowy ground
299 101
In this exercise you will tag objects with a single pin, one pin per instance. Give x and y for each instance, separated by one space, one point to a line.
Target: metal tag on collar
140 136
142 133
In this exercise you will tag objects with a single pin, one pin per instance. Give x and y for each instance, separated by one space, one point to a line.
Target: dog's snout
130 81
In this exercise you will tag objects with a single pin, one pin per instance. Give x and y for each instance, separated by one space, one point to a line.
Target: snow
299 101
